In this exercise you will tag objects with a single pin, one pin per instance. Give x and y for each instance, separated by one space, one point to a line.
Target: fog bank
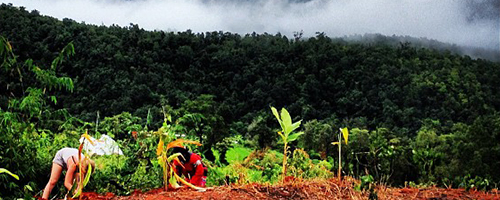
463 22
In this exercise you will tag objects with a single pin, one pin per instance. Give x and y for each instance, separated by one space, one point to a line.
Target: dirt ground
297 189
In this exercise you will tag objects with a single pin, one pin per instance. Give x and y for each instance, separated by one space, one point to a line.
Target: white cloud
444 20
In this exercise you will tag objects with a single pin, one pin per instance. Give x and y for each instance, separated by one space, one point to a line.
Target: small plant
476 183
366 180
286 128
345 133
81 182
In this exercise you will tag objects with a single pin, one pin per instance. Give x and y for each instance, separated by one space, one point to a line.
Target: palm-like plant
287 127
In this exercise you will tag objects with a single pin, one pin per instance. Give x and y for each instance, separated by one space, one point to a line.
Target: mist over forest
468 23
419 91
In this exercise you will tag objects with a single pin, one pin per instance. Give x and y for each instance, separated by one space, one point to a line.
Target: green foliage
201 118
259 130
365 183
317 137
287 126
237 154
477 182
115 174
380 153
264 166
270 161
233 174
120 126
261 166
421 115
145 176
302 166
137 169
26 116
3 170
271 157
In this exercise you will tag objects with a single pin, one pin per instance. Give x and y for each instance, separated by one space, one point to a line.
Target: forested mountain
405 89
120 69
395 41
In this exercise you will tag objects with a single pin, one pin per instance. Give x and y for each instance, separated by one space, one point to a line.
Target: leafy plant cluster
28 119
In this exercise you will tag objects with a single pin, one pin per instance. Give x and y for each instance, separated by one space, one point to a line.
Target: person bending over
191 166
66 159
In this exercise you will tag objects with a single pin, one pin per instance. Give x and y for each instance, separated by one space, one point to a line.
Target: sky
474 23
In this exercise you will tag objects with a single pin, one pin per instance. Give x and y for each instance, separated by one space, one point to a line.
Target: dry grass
293 188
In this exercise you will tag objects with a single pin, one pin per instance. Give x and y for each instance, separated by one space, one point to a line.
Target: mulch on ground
302 189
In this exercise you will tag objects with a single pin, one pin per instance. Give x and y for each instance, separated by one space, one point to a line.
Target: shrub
302 166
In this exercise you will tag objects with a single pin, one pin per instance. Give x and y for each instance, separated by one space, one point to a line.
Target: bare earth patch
299 189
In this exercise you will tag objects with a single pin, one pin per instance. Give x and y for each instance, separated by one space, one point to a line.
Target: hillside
415 114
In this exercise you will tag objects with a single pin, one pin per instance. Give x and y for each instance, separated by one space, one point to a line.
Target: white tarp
104 146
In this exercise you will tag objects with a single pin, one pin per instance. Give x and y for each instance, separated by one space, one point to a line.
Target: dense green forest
415 114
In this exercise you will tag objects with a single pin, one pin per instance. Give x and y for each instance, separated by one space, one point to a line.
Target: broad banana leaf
287 121
294 136
275 112
295 125
161 160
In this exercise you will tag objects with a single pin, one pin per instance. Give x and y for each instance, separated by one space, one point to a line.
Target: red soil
298 189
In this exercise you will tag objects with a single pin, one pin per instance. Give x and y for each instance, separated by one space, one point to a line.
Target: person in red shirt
191 166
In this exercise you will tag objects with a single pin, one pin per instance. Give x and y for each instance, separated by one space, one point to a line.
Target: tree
200 117
25 115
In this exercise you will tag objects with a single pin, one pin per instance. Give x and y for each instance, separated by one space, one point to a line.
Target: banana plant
287 127
344 132
82 182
